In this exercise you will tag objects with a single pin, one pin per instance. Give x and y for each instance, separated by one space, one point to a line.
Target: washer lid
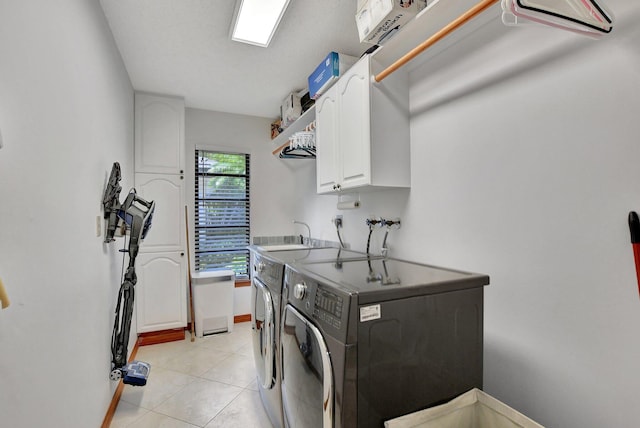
387 279
312 255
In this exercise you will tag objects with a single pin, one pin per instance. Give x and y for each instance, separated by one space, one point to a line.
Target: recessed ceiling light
255 21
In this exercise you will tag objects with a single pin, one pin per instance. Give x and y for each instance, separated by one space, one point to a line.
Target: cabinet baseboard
161 336
241 318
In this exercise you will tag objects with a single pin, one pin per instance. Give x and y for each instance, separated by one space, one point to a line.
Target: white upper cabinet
355 128
159 134
327 152
362 132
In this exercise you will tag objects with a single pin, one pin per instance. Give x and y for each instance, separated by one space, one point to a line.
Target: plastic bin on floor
473 409
213 301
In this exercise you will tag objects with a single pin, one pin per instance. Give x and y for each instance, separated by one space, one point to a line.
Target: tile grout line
222 410
233 354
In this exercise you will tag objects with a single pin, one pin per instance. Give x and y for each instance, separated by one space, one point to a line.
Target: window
222 211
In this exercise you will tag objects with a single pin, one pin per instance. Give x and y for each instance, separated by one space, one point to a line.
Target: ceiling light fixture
255 21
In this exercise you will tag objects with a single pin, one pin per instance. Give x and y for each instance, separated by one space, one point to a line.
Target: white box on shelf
213 301
378 20
291 109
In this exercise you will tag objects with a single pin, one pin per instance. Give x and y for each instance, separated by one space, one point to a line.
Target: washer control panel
328 307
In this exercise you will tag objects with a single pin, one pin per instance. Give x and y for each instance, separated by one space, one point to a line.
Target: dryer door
263 333
307 381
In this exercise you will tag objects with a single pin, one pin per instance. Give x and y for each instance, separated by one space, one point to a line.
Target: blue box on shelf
329 70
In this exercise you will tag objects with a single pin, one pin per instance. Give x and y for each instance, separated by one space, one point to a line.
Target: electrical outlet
337 220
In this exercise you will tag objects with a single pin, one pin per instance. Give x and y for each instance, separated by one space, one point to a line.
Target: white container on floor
213 301
474 408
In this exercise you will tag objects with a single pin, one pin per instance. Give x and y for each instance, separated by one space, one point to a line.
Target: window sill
243 283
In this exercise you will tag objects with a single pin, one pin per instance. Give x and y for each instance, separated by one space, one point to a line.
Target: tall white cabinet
161 266
362 131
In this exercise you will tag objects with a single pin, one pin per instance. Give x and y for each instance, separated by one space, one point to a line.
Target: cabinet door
354 129
327 142
161 293
159 134
167 231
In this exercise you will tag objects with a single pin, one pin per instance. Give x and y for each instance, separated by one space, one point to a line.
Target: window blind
222 211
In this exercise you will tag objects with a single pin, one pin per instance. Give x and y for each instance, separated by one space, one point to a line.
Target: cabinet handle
181 171
181 254
181 177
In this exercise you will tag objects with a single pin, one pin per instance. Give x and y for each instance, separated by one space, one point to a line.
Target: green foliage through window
222 211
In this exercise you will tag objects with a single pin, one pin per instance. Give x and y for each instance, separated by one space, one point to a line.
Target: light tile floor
207 383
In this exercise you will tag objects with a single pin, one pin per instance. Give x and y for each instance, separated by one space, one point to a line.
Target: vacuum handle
634 229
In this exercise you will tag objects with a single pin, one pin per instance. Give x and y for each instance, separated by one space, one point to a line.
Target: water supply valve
390 224
373 221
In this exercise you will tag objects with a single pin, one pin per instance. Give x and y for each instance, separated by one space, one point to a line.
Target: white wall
525 159
272 182
66 114
530 174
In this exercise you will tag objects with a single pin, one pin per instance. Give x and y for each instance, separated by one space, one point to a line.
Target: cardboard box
291 109
329 70
379 20
276 128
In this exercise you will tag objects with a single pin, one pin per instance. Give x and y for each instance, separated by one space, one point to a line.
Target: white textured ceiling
182 47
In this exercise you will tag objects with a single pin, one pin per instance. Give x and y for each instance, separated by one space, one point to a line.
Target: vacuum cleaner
133 216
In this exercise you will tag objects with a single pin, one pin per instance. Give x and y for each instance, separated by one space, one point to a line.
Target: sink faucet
308 231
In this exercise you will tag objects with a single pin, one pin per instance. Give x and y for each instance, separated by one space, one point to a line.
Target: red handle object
634 228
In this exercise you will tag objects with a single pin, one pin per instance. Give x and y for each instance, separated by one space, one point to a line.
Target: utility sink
282 247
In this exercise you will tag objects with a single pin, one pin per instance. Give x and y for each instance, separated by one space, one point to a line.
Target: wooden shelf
282 140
